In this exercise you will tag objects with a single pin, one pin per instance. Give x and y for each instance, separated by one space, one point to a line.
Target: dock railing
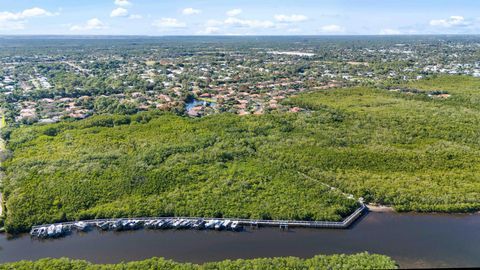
245 222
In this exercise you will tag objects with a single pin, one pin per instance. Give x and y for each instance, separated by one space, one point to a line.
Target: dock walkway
243 222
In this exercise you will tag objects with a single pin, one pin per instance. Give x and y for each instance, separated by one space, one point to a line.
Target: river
413 240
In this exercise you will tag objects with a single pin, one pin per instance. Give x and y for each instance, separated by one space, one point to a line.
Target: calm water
413 240
190 105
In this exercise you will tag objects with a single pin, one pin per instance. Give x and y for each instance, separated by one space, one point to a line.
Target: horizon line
194 35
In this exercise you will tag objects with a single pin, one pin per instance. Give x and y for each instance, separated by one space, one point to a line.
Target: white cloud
135 17
209 31
122 3
92 24
17 21
291 18
389 31
453 21
119 12
233 21
332 29
36 12
169 23
27 13
191 11
234 12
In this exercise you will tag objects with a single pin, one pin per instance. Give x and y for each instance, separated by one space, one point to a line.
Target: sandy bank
379 208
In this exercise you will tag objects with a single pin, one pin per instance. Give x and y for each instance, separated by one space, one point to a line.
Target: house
295 109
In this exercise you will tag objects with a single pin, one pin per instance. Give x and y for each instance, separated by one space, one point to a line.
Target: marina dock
123 224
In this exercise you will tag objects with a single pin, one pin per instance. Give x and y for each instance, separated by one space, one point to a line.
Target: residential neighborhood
45 87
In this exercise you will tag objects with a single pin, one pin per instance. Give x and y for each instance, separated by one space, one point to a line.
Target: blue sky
243 17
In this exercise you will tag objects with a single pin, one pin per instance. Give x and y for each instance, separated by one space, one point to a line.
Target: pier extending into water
120 224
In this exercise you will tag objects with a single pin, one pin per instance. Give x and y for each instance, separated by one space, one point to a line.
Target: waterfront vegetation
357 261
411 151
160 165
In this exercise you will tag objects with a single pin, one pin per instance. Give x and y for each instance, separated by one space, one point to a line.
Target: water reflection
414 240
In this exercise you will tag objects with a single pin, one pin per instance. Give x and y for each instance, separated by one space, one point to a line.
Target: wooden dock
283 224
307 224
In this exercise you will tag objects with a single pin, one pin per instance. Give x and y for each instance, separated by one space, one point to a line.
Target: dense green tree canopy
411 151
358 261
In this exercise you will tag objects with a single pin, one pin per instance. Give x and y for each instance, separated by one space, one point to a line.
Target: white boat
226 224
167 223
34 232
180 223
59 230
118 225
42 232
209 224
104 225
39 232
51 231
81 226
235 226
150 224
218 225
162 223
199 224
176 223
185 223
133 224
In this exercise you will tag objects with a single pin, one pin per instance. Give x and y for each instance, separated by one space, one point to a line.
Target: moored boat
235 226
218 225
226 224
81 226
51 230
199 224
105 225
210 224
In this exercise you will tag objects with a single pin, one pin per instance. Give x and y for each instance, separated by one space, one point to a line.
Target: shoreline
380 208
226 245
40 231
283 224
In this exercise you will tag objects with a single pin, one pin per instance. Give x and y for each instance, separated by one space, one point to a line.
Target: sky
242 17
